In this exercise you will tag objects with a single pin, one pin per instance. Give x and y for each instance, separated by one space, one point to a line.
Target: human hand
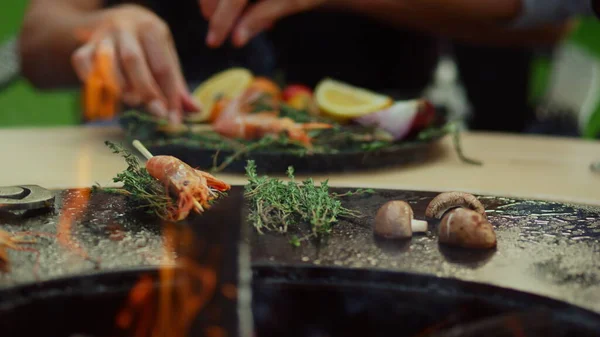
138 47
245 21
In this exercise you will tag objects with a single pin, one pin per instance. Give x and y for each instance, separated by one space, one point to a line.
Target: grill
541 281
313 302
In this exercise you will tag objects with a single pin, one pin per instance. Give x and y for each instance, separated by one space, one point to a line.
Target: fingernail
132 98
174 118
211 39
156 107
243 36
196 102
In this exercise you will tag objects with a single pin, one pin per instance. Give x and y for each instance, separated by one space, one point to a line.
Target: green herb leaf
279 206
142 190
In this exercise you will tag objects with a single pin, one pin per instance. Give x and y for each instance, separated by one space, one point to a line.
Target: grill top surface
545 248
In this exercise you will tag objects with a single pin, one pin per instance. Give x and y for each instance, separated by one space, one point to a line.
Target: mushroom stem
418 225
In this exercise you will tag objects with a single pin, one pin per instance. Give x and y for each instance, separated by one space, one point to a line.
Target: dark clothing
306 48
497 84
309 46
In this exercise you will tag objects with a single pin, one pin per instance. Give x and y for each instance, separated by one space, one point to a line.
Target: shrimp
258 125
193 188
102 89
236 122
10 241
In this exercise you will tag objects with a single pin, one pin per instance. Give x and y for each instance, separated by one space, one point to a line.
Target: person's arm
536 12
49 37
478 21
62 39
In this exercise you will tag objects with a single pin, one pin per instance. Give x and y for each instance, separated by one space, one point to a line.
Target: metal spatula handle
25 197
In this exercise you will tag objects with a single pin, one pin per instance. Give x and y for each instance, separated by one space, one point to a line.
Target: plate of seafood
334 127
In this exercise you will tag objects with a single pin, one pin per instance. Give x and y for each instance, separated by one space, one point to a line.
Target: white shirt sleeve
539 12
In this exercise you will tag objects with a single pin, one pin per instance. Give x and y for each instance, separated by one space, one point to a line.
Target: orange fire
73 206
183 291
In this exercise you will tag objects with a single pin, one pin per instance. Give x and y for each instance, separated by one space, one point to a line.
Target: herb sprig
278 206
142 190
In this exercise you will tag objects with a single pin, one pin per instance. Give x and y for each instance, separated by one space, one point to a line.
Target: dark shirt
307 47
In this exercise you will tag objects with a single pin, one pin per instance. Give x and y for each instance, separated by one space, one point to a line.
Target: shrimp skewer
194 188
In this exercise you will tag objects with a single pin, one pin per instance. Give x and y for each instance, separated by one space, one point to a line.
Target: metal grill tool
25 197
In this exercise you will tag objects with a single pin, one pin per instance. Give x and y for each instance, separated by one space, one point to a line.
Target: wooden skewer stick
143 150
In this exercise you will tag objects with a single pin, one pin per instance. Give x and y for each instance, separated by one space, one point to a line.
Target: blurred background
560 92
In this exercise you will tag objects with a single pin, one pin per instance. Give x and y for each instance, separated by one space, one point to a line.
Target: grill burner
339 287
313 302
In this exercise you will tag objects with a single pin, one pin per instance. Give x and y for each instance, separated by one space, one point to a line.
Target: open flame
75 206
183 291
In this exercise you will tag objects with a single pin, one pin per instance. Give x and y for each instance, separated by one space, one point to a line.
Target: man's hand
243 22
144 59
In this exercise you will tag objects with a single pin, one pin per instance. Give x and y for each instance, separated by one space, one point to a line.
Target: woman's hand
144 61
243 21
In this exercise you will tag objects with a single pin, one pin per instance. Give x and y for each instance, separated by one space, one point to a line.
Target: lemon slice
343 101
228 83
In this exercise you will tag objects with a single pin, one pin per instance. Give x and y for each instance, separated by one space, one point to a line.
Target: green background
22 105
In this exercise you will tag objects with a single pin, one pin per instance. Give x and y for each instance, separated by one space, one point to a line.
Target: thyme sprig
450 127
279 206
141 189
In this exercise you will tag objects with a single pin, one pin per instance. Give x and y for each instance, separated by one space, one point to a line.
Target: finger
106 55
83 61
136 68
156 45
84 58
263 15
157 108
188 103
132 98
105 63
207 7
222 21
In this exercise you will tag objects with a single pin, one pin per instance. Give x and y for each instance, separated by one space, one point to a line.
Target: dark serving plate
406 152
278 162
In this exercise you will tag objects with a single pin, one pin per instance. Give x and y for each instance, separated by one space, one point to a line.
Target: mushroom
466 228
449 200
394 220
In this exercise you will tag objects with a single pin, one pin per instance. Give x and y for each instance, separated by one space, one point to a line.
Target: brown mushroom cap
393 220
466 228
449 200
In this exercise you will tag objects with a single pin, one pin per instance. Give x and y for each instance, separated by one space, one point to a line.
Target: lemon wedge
343 101
229 84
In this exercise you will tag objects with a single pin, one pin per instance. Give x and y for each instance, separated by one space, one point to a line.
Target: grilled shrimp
236 122
193 188
256 126
10 241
